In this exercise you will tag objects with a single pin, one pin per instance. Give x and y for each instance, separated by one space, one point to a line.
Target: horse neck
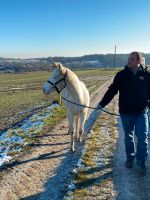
71 88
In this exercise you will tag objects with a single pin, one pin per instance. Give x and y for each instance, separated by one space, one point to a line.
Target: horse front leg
76 134
71 129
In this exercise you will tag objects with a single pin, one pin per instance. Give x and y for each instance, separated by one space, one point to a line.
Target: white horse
66 82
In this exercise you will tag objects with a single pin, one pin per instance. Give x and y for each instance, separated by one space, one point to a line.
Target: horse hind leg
82 123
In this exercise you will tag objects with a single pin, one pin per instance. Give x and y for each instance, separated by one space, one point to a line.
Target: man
133 84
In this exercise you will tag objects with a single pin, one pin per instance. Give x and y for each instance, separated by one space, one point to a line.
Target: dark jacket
134 91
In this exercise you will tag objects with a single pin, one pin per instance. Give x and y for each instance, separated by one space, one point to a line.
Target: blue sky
36 28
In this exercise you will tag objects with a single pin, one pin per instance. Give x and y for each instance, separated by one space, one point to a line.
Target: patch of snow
79 163
72 186
4 159
74 171
11 140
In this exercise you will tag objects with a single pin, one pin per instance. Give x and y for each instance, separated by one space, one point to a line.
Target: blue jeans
138 125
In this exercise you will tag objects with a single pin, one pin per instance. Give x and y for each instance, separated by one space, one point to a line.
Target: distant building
94 63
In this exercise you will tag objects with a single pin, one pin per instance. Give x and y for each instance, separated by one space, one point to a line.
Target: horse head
56 82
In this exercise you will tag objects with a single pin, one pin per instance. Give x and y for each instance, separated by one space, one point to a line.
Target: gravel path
129 183
45 173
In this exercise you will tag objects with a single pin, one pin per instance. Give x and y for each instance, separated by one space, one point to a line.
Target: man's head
134 59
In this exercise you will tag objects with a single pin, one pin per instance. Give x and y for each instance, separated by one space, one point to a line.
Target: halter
55 84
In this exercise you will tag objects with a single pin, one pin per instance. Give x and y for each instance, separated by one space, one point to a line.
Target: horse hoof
81 139
75 138
72 149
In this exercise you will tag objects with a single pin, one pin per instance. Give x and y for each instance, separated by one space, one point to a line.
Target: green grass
30 78
13 102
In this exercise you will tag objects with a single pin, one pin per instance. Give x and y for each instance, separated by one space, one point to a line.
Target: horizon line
36 57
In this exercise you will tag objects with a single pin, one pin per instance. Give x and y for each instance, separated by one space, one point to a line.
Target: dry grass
94 180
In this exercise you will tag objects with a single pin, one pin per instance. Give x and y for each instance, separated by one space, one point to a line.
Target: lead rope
99 108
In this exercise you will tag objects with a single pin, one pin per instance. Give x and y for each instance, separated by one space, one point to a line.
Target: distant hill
87 61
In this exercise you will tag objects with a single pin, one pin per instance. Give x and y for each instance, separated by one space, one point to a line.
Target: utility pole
115 57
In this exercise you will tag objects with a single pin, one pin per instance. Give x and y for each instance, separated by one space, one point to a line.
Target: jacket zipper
134 88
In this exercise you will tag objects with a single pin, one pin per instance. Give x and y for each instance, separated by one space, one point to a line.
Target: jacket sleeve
149 92
111 92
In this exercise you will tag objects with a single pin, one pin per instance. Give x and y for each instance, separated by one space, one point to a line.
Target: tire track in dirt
45 173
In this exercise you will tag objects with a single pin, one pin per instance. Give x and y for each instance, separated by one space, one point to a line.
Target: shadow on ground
57 186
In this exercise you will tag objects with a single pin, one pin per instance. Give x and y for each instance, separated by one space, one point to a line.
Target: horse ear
53 65
61 68
60 65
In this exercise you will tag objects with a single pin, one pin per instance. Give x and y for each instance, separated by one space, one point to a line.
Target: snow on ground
13 140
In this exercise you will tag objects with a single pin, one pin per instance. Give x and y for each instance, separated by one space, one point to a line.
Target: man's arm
111 92
149 90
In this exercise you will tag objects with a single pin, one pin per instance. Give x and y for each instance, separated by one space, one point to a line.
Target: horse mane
72 73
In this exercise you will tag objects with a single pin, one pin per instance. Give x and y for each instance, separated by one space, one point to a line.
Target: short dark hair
138 55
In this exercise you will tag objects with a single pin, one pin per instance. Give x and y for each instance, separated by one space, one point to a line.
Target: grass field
16 104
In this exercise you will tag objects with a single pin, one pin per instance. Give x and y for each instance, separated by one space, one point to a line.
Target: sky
41 28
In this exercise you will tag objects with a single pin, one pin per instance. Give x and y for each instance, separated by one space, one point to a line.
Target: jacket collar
141 68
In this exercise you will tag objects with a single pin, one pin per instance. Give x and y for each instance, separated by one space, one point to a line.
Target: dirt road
45 173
